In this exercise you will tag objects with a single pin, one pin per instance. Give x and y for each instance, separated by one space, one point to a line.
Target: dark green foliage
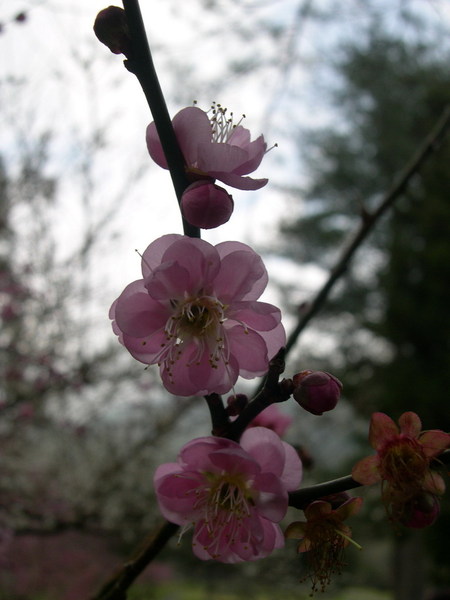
391 319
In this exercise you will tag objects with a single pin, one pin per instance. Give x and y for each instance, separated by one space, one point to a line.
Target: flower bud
421 511
206 205
316 391
111 29
236 404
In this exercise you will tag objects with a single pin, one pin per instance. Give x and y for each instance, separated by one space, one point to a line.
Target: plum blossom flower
195 314
272 418
402 463
324 536
233 494
213 147
206 205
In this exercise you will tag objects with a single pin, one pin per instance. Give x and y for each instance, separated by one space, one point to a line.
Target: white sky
73 85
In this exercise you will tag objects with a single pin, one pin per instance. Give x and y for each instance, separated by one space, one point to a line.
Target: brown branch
117 586
140 63
301 498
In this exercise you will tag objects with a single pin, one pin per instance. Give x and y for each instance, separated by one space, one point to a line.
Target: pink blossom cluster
195 313
213 147
233 495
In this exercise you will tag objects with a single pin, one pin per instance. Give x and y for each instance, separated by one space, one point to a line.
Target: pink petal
168 281
272 500
382 429
154 146
240 137
242 274
139 315
199 258
318 510
410 424
199 379
274 339
164 470
233 460
145 349
176 497
257 315
256 151
250 351
434 483
192 128
366 470
293 468
434 442
349 508
295 530
195 454
221 157
153 254
238 182
266 448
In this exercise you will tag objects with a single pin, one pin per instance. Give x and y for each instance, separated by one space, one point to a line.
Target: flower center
325 556
222 124
403 462
226 502
198 318
196 325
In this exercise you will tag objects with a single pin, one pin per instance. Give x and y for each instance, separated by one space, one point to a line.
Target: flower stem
140 63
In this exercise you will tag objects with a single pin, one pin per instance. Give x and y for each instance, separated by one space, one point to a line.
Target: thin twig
117 586
141 64
430 145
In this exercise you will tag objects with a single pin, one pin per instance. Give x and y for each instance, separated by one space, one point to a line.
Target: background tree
390 318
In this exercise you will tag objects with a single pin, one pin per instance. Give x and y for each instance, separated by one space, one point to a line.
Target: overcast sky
56 76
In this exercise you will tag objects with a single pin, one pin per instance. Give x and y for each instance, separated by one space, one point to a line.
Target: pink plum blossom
233 494
195 314
206 205
272 418
324 536
402 463
213 147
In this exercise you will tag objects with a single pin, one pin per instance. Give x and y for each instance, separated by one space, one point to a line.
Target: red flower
402 462
324 536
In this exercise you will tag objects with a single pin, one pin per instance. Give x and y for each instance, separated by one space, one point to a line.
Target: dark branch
429 146
140 63
117 586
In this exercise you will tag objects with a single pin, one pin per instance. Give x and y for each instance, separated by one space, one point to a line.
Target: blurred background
348 90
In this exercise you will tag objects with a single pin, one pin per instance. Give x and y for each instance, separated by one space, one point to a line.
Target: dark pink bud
422 511
21 17
206 205
236 404
316 391
111 29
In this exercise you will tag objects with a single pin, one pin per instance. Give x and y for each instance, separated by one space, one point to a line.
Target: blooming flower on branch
213 147
324 536
195 314
402 463
234 495
272 418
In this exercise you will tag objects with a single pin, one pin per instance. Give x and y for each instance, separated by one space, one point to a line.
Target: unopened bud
421 511
206 205
111 29
316 391
236 404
